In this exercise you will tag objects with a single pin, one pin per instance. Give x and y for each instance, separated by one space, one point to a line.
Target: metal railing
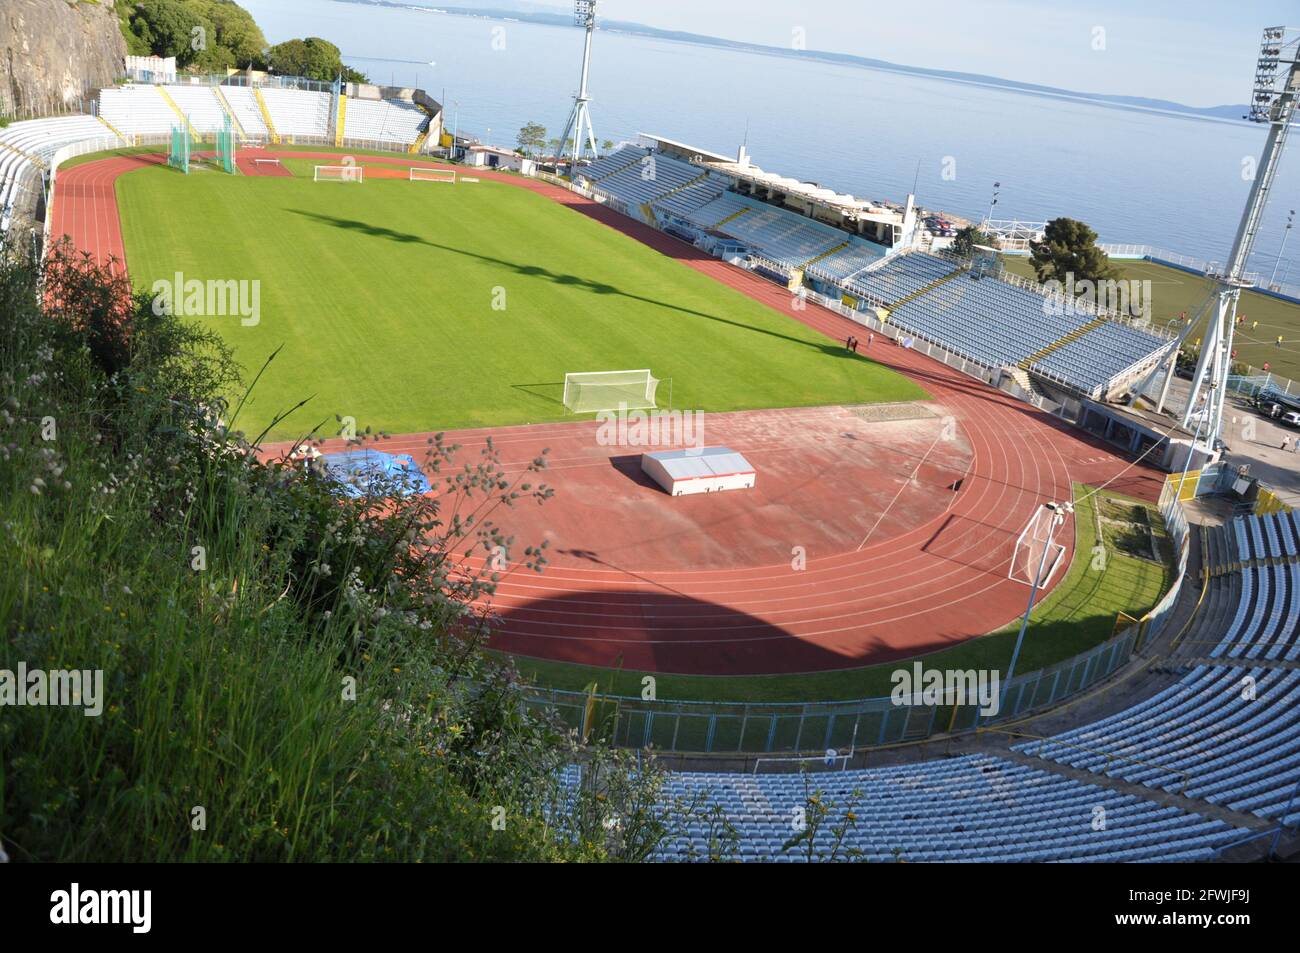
144 77
794 727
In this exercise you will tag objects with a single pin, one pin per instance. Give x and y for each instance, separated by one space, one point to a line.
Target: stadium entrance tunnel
657 631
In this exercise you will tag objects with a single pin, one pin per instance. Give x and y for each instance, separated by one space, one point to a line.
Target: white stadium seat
298 112
385 120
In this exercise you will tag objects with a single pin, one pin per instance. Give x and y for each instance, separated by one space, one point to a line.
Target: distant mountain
552 15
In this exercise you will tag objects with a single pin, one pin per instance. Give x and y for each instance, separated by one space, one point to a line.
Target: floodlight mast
1273 101
579 124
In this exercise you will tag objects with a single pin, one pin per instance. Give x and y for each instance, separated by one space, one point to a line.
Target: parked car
1290 419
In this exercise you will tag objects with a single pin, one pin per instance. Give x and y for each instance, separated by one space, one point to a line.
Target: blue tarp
358 472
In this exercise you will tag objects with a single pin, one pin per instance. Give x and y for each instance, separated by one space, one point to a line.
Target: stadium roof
674 144
742 169
840 201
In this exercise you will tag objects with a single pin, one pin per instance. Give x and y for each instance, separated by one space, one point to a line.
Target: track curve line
913 587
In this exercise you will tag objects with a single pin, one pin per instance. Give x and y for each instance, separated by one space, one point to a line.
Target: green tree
531 137
168 28
1069 248
313 58
235 40
966 240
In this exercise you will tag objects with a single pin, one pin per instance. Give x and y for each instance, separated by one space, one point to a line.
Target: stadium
873 452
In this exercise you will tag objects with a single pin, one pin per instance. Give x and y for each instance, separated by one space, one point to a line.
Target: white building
699 470
490 157
151 69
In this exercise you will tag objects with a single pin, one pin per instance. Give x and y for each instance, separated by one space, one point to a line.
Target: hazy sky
1200 52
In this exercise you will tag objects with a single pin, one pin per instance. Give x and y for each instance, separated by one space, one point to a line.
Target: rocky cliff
54 52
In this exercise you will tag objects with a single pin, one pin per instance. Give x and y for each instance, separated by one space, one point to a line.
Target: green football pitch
421 306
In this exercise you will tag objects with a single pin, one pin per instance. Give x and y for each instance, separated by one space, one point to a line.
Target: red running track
927 587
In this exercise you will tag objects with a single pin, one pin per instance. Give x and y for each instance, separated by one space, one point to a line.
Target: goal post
339 173
1036 548
590 392
432 175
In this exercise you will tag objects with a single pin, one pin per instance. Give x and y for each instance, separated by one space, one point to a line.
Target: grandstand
27 150
1262 562
675 189
856 256
1105 352
246 111
1226 734
200 106
971 808
298 112
263 113
984 319
146 113
137 109
899 277
384 120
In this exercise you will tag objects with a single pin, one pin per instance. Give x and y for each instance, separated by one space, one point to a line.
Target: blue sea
1136 176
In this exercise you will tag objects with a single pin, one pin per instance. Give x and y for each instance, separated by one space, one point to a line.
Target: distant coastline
535 14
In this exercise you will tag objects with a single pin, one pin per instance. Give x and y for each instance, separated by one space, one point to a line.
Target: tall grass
288 674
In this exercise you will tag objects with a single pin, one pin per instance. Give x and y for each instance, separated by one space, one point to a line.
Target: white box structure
699 470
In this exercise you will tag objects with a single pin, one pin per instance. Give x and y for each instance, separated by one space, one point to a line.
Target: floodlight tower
584 15
1273 101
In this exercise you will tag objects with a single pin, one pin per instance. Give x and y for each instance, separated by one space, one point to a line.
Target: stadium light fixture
997 190
1274 97
579 123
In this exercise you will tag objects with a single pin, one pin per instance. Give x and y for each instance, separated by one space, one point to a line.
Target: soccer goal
339 173
433 175
1036 548
593 391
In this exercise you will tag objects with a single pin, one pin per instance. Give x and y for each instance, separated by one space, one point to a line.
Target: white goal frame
1036 547
590 392
418 174
349 173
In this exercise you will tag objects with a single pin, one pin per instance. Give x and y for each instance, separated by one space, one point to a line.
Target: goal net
339 173
593 391
1036 548
433 175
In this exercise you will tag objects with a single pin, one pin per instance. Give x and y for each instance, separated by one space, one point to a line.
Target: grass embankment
276 678
1078 614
